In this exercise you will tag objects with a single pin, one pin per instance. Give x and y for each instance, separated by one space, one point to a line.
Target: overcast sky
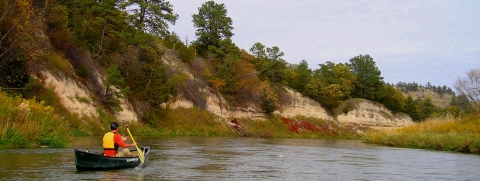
419 41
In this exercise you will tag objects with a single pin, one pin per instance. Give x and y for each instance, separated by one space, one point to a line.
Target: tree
224 49
339 75
330 84
274 53
463 102
99 27
213 25
258 50
186 53
147 79
370 84
470 86
275 71
246 56
426 108
150 16
268 97
411 109
453 101
225 72
394 99
300 76
18 41
56 19
248 82
272 67
112 94
329 95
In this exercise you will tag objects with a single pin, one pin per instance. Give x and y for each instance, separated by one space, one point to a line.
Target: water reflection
248 159
121 175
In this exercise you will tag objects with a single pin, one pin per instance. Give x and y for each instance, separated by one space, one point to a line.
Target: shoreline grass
440 133
32 123
27 123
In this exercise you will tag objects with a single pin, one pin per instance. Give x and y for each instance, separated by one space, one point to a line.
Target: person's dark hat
114 126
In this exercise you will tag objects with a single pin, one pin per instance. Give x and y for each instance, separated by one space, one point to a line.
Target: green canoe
91 161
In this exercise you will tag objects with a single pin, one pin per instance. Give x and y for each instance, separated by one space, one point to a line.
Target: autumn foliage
300 126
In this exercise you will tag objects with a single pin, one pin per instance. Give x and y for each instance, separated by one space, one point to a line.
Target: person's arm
119 141
130 145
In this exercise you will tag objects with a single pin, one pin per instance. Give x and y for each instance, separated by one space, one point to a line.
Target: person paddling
112 141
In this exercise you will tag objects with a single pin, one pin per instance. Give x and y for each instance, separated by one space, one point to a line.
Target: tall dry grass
181 122
197 122
26 123
57 61
44 121
80 125
445 133
192 122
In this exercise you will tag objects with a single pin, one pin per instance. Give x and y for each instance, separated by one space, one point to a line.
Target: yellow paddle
140 152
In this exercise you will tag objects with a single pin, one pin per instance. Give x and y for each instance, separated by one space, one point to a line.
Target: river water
192 158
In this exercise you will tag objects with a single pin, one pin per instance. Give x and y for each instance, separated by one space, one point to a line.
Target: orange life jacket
109 142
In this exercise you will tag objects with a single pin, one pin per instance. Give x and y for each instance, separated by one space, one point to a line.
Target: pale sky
419 41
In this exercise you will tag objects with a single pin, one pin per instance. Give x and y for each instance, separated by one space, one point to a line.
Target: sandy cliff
364 113
368 114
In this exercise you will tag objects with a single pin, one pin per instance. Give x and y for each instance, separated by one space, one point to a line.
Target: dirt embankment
76 98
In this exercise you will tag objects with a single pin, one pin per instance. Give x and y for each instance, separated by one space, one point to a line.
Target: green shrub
82 71
50 140
172 41
346 109
82 99
57 61
15 139
186 54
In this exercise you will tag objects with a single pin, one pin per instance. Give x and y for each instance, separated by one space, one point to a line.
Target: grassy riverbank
27 123
441 133
195 122
32 123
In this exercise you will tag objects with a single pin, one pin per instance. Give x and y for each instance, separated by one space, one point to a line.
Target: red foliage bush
297 126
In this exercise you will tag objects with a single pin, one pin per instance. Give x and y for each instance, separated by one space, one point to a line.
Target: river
193 158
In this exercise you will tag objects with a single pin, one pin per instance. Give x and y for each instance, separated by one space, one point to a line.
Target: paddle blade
139 167
141 155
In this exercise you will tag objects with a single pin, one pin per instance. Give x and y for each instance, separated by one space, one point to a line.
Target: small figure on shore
234 123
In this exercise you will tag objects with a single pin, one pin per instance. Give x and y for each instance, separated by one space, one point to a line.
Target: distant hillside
441 96
438 100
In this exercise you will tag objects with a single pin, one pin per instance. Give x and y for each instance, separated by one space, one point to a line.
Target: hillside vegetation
126 46
441 96
115 48
439 101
